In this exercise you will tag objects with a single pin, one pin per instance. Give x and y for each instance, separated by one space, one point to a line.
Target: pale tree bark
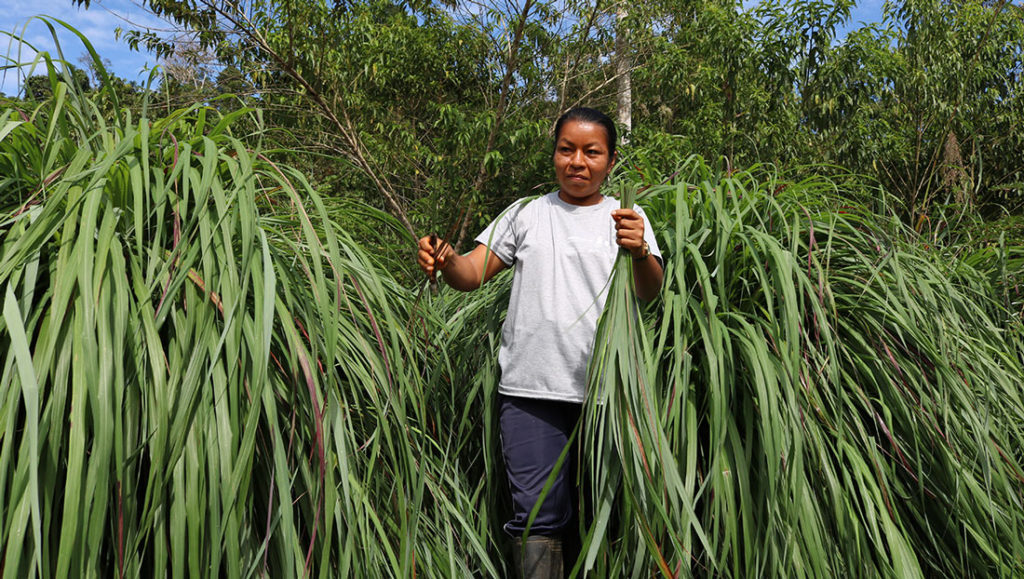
623 71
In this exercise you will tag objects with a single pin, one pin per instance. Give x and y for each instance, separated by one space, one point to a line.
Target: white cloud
97 24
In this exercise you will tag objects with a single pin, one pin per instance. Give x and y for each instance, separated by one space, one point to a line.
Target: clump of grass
202 373
820 396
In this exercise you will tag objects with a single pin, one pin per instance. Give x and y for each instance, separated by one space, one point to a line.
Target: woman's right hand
433 254
461 272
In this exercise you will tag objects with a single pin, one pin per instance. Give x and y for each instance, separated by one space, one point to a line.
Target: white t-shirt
562 256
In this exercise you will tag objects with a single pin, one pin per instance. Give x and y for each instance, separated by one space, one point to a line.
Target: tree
92 68
623 64
439 113
931 102
39 87
411 98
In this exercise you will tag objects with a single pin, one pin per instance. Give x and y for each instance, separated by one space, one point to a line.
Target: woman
563 247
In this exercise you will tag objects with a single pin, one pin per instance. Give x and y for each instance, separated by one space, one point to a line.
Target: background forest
219 359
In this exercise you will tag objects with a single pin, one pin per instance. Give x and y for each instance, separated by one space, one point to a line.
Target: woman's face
582 161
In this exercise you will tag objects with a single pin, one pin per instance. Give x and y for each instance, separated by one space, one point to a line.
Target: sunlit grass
837 399
202 373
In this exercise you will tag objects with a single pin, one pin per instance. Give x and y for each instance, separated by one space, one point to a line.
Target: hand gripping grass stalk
816 395
642 510
201 373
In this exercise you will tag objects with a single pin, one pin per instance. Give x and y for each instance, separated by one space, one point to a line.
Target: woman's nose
577 158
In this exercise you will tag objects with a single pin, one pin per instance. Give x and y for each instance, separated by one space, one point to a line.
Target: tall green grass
817 395
202 373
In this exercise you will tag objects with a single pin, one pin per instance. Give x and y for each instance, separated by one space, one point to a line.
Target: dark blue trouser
533 435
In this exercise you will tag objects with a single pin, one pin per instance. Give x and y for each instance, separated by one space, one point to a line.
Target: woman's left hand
629 231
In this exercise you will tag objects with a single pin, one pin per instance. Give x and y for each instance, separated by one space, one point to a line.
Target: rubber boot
538 557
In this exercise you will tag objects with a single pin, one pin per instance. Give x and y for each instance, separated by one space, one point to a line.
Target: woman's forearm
460 272
468 271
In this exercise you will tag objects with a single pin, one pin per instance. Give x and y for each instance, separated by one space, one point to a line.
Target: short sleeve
504 234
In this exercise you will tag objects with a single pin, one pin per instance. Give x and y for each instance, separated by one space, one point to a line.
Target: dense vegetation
217 360
433 111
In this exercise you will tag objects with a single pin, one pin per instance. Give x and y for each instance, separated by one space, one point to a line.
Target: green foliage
37 87
203 372
108 92
400 105
818 395
928 103
439 113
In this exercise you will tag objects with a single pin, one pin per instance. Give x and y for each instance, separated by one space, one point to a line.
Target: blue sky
104 16
866 12
97 24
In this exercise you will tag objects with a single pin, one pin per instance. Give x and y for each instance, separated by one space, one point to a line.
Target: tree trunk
623 66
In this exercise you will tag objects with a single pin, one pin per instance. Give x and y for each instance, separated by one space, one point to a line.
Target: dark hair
588 115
